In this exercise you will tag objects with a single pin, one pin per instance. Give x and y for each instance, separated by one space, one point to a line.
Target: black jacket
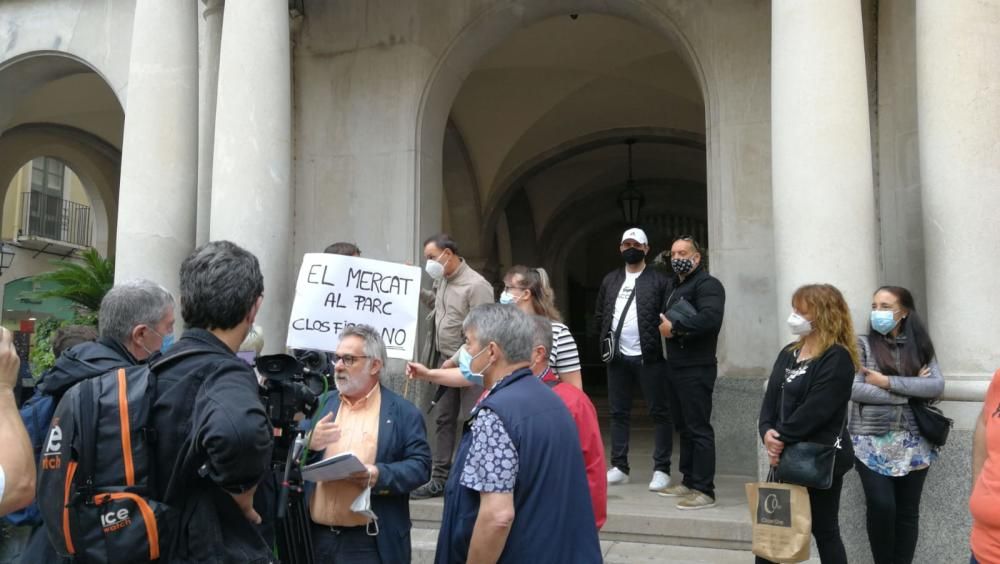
213 437
814 401
695 339
650 292
83 361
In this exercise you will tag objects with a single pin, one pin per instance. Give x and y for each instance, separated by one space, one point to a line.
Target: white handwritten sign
335 291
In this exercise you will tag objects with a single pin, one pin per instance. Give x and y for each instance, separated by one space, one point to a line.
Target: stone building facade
849 142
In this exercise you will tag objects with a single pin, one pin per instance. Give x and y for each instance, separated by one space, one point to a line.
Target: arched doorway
61 126
541 139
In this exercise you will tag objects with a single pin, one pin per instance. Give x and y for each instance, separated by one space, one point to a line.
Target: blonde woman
528 289
807 398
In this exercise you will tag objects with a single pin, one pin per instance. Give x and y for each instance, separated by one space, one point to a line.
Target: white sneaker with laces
617 477
659 481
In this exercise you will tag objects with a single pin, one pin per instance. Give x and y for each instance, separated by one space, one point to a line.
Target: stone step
638 516
424 542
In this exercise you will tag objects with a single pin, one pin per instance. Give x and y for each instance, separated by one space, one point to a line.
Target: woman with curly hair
892 458
807 397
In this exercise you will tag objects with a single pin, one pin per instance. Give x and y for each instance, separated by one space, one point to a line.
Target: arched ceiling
58 90
562 79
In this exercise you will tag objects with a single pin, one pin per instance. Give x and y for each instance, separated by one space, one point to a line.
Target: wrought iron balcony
54 219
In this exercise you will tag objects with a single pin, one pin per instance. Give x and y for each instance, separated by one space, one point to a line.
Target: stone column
823 199
157 194
958 84
210 39
251 186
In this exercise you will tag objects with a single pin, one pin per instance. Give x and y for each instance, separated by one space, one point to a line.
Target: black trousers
893 515
690 392
350 545
622 374
825 510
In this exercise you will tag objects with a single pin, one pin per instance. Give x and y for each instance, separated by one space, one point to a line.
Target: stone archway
486 32
96 162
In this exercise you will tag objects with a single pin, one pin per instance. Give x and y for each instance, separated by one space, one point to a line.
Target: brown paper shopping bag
782 522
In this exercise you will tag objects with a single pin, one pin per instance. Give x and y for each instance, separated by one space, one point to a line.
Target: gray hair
130 304
510 328
254 340
543 332
374 346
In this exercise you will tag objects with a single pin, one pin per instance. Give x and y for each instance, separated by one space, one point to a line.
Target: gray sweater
875 411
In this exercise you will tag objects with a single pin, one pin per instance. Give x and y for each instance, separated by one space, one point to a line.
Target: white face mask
434 269
799 325
362 505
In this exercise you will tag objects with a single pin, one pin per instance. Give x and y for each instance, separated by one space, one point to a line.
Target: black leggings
825 509
893 513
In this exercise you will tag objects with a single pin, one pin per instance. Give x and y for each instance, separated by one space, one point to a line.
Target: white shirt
628 344
3 482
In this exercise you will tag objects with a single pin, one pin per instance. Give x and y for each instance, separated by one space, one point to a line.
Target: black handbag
934 425
681 310
806 463
609 344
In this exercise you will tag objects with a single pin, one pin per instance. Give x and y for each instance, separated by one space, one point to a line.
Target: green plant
41 357
83 283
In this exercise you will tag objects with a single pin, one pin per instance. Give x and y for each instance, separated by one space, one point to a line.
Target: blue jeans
350 545
972 559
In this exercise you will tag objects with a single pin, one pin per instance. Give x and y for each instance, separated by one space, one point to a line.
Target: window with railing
54 218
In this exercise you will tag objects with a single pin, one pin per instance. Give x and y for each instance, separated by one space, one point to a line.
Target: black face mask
633 255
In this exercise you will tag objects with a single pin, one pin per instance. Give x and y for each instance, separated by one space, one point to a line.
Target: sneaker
696 500
434 488
617 477
678 490
660 481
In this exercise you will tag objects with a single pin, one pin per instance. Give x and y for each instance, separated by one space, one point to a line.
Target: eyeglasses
348 359
509 288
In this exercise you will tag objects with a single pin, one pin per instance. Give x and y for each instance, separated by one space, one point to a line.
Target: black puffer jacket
696 338
650 293
213 438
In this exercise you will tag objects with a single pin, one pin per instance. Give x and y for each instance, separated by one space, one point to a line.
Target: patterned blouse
896 453
491 465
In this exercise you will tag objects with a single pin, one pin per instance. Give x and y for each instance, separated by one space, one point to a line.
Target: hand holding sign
335 291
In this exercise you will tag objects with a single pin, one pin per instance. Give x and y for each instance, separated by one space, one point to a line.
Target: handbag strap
621 318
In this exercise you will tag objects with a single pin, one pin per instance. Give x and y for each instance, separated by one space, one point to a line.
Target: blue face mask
883 321
465 366
168 341
506 298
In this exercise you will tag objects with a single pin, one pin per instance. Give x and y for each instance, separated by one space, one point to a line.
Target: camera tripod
293 533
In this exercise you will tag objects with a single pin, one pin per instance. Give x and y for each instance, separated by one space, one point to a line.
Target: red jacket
585 416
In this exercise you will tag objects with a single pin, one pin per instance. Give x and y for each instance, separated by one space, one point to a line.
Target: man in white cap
628 310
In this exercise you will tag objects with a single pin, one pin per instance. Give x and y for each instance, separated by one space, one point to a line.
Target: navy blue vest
553 516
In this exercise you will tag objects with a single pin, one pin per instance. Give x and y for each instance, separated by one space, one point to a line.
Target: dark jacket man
403 458
214 438
695 338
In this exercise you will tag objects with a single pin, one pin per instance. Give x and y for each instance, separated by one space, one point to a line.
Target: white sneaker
617 477
660 481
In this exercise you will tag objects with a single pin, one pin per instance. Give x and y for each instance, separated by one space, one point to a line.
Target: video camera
292 385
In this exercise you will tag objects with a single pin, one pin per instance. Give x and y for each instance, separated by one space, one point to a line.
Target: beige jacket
452 298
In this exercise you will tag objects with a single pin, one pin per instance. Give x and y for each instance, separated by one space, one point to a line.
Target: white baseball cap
637 235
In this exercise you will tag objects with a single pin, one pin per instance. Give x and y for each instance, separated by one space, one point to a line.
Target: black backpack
97 472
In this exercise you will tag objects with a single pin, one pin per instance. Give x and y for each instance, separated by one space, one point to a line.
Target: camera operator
214 439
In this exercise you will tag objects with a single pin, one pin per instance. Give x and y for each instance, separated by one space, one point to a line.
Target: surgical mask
799 325
166 341
465 366
434 269
506 298
633 255
682 265
883 321
362 505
